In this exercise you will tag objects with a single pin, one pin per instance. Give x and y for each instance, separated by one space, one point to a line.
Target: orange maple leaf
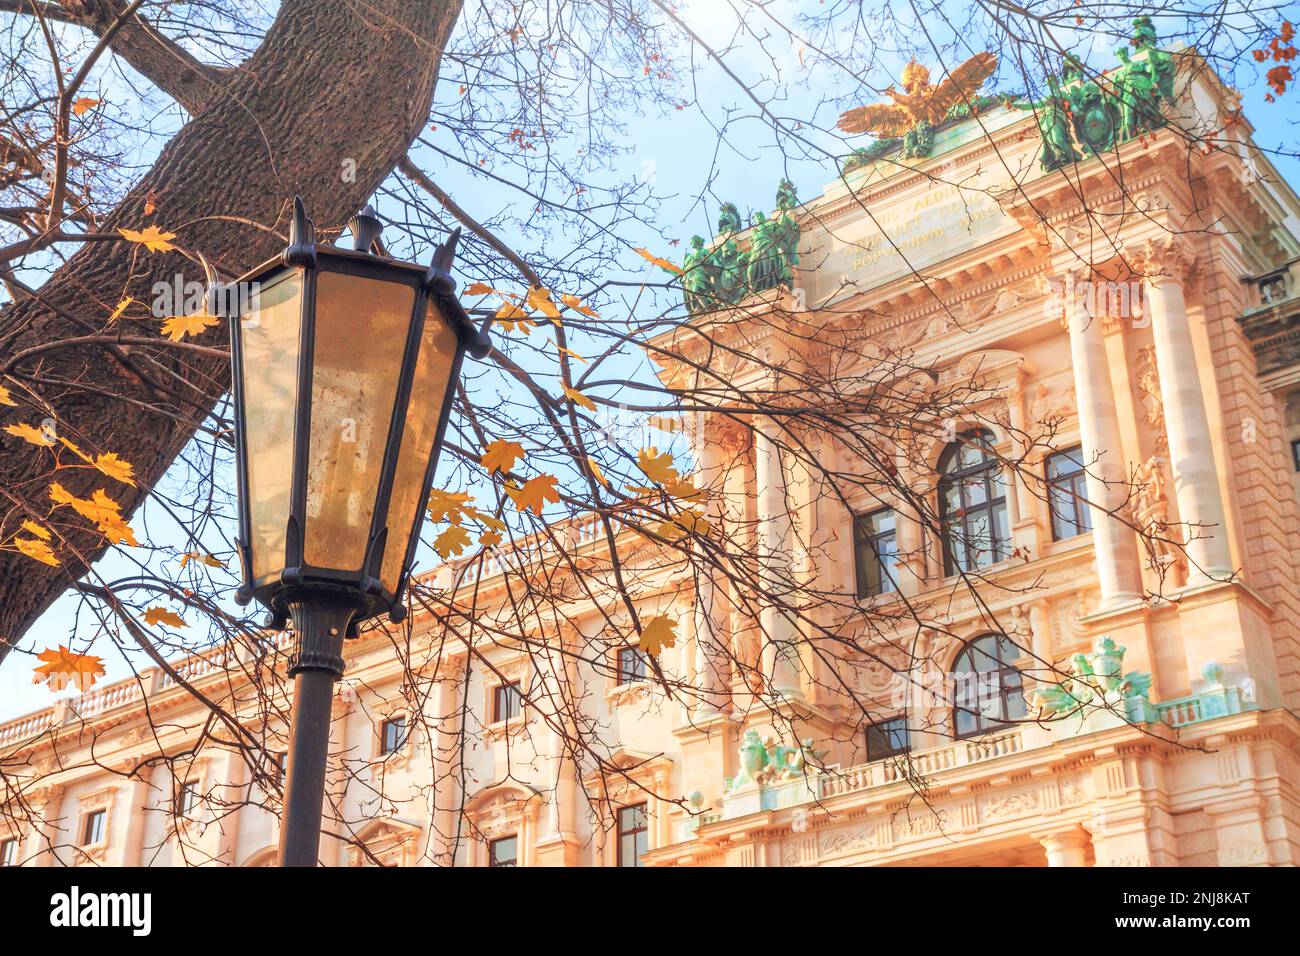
160 615
659 261
501 455
657 633
151 237
535 493
63 666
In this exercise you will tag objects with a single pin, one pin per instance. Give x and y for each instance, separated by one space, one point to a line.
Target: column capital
1163 260
732 437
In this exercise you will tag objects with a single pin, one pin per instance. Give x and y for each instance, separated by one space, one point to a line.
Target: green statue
1135 89
918 141
1097 678
699 277
1160 65
786 229
731 260
766 257
1053 115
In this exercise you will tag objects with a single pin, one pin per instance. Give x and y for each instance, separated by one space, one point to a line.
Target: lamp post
344 364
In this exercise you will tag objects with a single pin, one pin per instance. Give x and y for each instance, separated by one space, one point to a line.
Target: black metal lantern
344 367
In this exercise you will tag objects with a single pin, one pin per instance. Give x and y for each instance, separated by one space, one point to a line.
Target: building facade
1184 382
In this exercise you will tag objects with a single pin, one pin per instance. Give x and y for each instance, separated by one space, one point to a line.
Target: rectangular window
888 738
504 852
93 831
392 735
631 665
875 548
282 768
1067 494
189 798
1295 453
9 852
507 702
633 835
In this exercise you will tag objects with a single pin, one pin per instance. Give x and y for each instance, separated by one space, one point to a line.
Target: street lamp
344 364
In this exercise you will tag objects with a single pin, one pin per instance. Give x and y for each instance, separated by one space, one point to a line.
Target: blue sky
678 154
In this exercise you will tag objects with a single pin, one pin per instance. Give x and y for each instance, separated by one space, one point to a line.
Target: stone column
780 631
559 845
1040 636
1191 450
137 802
447 761
909 534
235 793
1067 848
45 802
333 851
715 450
1114 543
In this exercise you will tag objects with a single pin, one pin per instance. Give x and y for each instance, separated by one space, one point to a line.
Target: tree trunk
325 108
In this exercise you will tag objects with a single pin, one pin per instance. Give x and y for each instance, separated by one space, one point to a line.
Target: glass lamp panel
268 336
438 347
360 335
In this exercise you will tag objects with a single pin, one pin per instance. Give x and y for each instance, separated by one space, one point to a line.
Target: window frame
1003 669
643 831
864 537
492 856
402 740
517 697
620 678
1078 496
990 472
189 789
891 749
87 825
5 845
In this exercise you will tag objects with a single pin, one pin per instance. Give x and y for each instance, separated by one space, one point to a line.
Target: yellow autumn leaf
63 666
685 490
577 397
596 472
31 527
452 542
36 549
688 522
151 237
501 455
657 633
661 263
572 354
201 558
657 466
511 317
447 505
489 539
27 433
113 466
160 615
99 508
535 493
178 326
480 288
539 299
83 104
6 398
488 520
575 303
121 307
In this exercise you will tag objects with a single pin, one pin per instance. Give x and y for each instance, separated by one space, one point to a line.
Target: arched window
986 686
972 504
